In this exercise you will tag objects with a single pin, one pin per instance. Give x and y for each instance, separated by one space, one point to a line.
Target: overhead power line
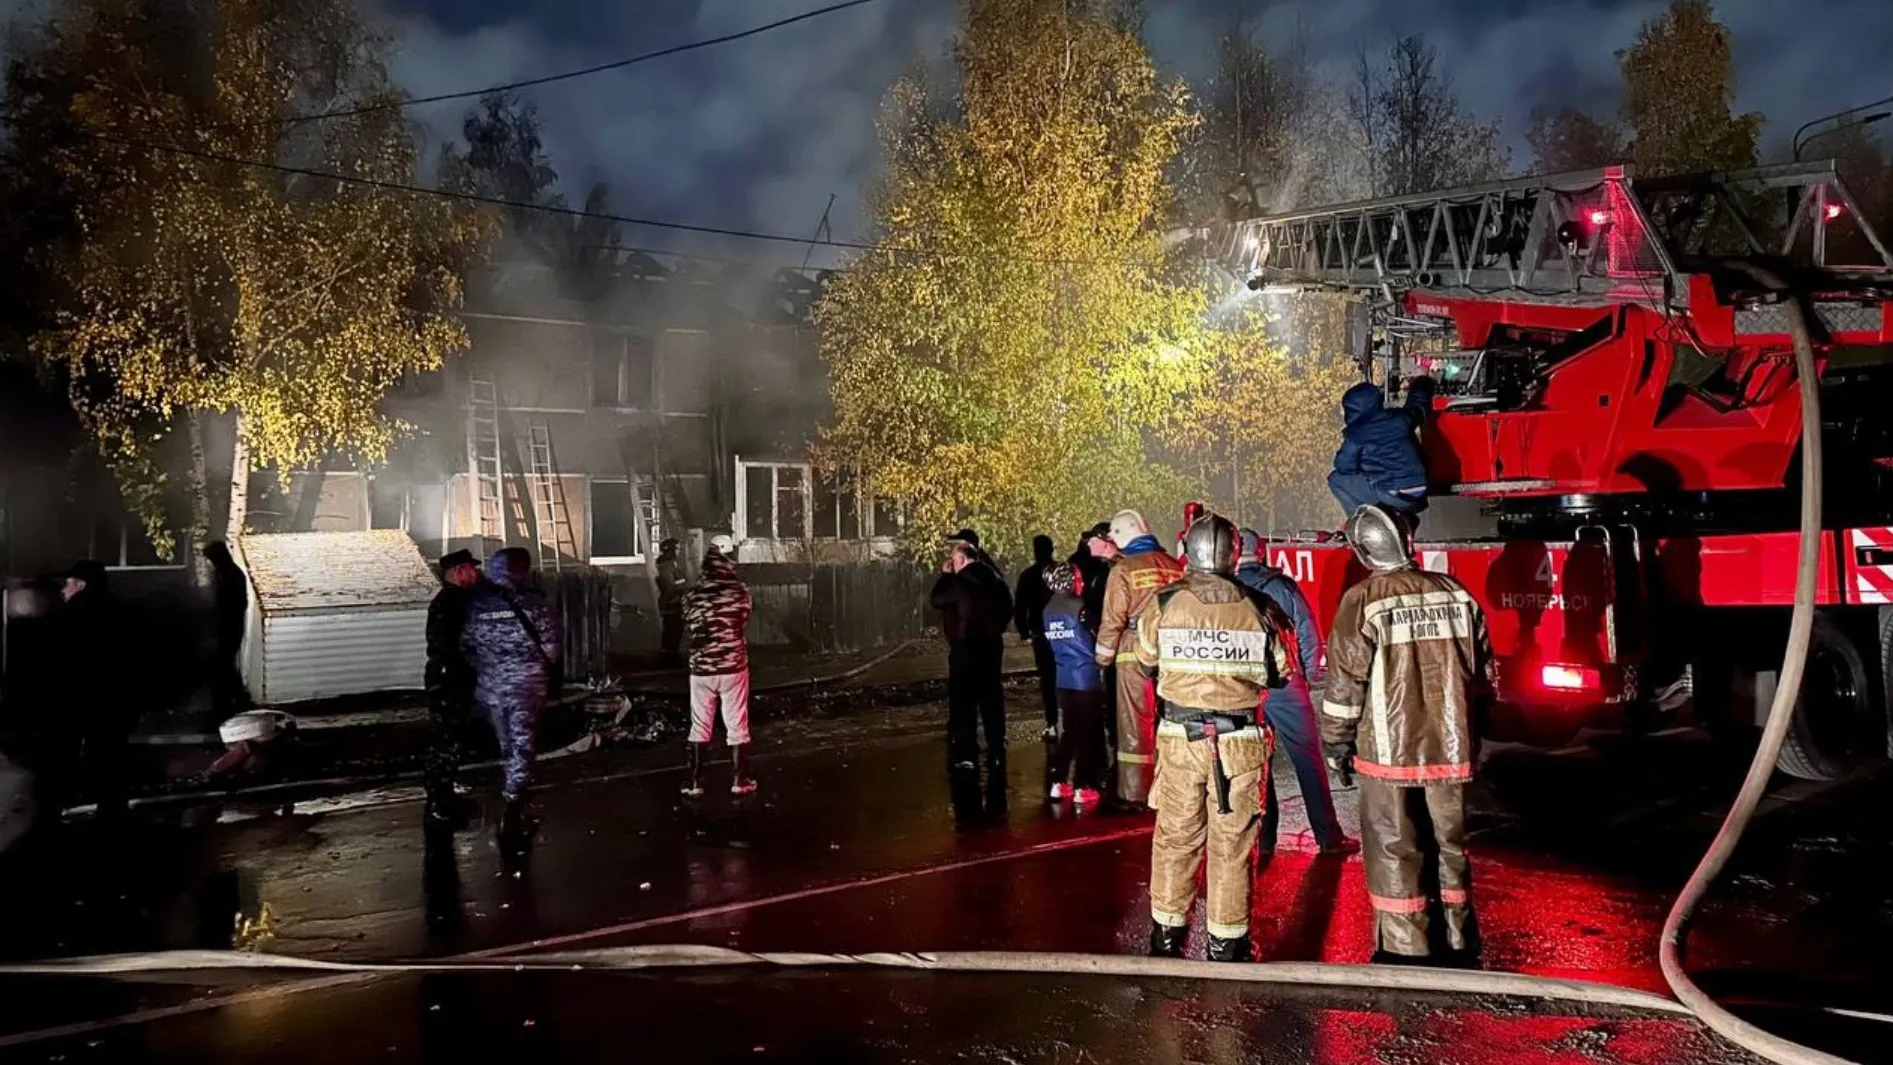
523 205
585 72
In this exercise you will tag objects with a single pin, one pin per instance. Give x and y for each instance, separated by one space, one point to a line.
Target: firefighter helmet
1211 545
1126 526
1380 539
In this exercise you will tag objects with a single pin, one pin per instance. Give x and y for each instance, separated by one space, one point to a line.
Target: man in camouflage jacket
716 619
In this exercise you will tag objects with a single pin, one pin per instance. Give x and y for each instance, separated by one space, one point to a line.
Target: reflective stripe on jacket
1136 578
1409 665
1214 646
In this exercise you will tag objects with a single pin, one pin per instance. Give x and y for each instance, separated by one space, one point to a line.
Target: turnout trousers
1191 825
1413 843
1136 727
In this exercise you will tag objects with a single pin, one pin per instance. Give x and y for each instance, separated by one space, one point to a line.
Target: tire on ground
1826 739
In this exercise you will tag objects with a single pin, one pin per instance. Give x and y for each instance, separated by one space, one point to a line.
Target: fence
837 608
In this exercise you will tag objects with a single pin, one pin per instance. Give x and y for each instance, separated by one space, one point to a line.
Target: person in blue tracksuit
1379 461
1290 711
512 642
1076 768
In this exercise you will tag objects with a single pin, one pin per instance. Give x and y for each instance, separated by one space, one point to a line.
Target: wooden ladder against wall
552 519
484 464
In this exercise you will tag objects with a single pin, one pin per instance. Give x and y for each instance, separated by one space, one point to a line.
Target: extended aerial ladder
1617 388
1595 334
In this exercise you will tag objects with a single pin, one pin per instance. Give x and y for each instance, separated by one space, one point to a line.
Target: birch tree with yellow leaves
1263 421
1002 356
185 282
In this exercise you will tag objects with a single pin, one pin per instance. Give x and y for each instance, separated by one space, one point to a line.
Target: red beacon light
1560 677
1833 211
1599 217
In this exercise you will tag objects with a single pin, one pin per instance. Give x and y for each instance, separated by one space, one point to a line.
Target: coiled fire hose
1690 999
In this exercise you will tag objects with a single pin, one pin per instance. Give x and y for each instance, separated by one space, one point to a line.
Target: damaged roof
319 572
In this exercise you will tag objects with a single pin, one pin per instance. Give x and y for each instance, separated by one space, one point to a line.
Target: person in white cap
1142 570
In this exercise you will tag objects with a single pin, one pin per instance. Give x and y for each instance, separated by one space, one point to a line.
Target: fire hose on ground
1690 1000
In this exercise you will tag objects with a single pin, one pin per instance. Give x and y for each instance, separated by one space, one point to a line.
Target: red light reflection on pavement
1543 920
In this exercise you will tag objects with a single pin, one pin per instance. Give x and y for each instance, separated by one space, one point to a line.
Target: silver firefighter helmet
1379 539
1212 545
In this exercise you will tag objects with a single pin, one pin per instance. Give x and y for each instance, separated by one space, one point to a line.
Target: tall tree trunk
197 537
239 510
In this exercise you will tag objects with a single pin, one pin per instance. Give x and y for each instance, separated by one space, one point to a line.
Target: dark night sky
758 133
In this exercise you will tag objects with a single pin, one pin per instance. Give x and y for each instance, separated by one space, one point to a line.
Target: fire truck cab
1617 402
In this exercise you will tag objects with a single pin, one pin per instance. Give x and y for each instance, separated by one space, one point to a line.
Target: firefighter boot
1167 942
1236 949
741 783
693 781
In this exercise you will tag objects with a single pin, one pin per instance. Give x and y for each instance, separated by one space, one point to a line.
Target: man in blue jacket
1379 461
1290 711
513 644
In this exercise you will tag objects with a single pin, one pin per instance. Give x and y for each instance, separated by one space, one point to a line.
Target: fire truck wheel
1833 728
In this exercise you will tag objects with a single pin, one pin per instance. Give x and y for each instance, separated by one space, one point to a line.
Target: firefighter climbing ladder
484 467
552 521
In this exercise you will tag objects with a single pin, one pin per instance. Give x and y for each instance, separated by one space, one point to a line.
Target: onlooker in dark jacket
671 585
1379 461
1290 710
1076 767
1028 604
91 713
231 605
512 641
449 682
716 613
975 610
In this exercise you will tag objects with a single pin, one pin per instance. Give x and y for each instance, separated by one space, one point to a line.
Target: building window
614 511
623 373
775 499
837 511
792 502
120 542
786 501
387 504
887 519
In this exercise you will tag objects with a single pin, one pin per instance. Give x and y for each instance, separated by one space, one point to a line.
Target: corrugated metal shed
334 613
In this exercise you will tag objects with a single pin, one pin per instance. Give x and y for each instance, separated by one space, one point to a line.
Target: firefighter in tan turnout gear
1216 650
1142 568
1409 665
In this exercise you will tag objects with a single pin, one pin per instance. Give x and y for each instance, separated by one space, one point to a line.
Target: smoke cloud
758 134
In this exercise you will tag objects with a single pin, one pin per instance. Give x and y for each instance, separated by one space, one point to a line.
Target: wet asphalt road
854 845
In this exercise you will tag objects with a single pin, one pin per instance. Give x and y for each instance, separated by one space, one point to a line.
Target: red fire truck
1618 408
